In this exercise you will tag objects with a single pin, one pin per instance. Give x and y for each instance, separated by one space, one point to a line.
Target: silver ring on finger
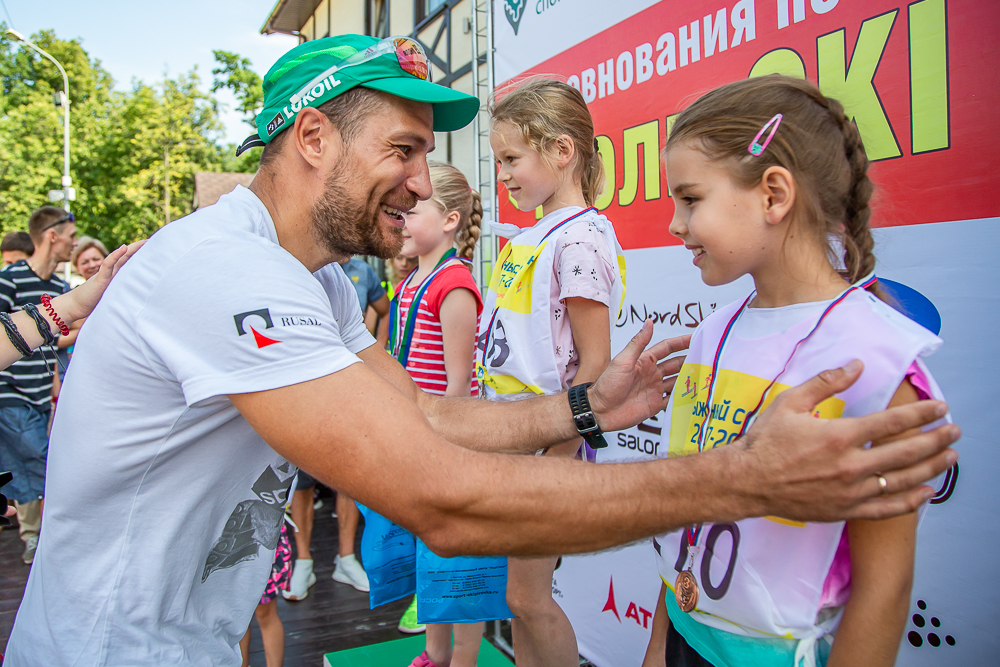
883 485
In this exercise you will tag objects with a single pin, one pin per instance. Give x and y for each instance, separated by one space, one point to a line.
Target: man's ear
315 135
779 189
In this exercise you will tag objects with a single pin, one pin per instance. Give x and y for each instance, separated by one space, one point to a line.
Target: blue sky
142 39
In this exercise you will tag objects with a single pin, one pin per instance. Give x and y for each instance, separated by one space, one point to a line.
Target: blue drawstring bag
465 589
388 552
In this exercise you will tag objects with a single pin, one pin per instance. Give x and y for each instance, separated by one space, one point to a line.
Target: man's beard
347 224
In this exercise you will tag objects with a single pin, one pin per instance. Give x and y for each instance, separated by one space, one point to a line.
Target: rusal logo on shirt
263 314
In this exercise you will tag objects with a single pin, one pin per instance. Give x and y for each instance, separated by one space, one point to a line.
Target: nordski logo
513 10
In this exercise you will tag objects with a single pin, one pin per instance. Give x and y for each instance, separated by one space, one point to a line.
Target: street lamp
64 100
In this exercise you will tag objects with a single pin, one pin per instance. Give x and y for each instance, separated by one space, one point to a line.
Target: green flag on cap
317 71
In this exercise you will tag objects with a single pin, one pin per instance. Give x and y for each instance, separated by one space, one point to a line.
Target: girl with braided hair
555 294
433 318
769 178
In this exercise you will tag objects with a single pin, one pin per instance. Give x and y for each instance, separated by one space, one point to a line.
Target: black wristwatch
583 415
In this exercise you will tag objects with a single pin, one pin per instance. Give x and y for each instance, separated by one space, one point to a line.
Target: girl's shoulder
864 315
455 276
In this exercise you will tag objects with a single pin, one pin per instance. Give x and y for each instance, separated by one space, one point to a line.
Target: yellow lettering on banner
607 150
779 61
735 395
671 119
648 136
929 76
512 277
853 85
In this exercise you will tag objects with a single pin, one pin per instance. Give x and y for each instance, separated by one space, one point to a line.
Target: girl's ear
779 189
564 149
451 221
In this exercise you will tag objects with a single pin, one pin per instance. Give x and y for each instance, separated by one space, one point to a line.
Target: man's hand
638 383
809 469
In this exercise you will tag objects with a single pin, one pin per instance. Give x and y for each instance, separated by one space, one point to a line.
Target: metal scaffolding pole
482 86
487 250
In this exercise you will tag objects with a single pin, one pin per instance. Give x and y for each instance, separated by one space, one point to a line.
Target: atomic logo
634 611
610 604
259 338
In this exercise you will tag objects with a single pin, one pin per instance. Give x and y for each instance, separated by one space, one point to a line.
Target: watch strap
583 416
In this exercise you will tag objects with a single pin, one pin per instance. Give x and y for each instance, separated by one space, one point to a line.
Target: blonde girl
554 296
434 315
770 178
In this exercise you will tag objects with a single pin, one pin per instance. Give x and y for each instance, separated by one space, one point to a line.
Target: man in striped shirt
26 386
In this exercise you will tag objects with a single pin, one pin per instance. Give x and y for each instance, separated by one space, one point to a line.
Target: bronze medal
686 591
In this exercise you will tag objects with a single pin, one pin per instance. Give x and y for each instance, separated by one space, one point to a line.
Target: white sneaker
302 580
31 543
348 570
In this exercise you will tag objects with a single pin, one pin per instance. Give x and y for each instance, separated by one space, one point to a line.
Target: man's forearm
512 427
545 506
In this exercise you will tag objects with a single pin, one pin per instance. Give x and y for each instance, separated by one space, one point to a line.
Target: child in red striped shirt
434 317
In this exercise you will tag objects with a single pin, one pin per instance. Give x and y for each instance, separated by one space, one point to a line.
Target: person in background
348 569
86 259
88 256
272 630
15 247
25 386
70 307
438 348
396 269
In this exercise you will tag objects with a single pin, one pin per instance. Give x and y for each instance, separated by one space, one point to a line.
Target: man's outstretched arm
635 387
359 434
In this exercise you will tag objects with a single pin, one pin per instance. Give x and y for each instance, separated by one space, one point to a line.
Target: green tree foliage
131 152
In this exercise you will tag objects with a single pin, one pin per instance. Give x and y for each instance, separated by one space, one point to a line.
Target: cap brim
453 109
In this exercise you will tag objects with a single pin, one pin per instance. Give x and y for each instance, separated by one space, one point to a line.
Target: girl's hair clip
757 148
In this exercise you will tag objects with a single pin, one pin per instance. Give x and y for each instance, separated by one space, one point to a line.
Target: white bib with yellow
765 577
515 355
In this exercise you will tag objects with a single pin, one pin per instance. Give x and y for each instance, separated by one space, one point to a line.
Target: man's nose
419 181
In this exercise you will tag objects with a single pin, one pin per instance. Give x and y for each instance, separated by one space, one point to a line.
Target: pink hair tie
756 148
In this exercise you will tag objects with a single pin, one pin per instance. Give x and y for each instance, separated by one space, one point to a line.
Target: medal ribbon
400 333
534 256
693 532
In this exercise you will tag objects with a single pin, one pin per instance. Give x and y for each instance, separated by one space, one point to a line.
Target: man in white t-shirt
228 354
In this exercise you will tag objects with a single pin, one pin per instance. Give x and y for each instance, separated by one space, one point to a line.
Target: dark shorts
24 446
680 653
305 481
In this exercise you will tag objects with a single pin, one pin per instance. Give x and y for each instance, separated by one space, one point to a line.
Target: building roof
209 186
288 16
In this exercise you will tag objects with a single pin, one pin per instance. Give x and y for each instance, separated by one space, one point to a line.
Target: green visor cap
284 82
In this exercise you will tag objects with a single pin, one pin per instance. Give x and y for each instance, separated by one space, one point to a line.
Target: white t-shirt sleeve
232 318
346 309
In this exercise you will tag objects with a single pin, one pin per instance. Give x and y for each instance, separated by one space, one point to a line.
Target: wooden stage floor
334 616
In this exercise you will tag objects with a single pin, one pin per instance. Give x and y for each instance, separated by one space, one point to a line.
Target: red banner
921 80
